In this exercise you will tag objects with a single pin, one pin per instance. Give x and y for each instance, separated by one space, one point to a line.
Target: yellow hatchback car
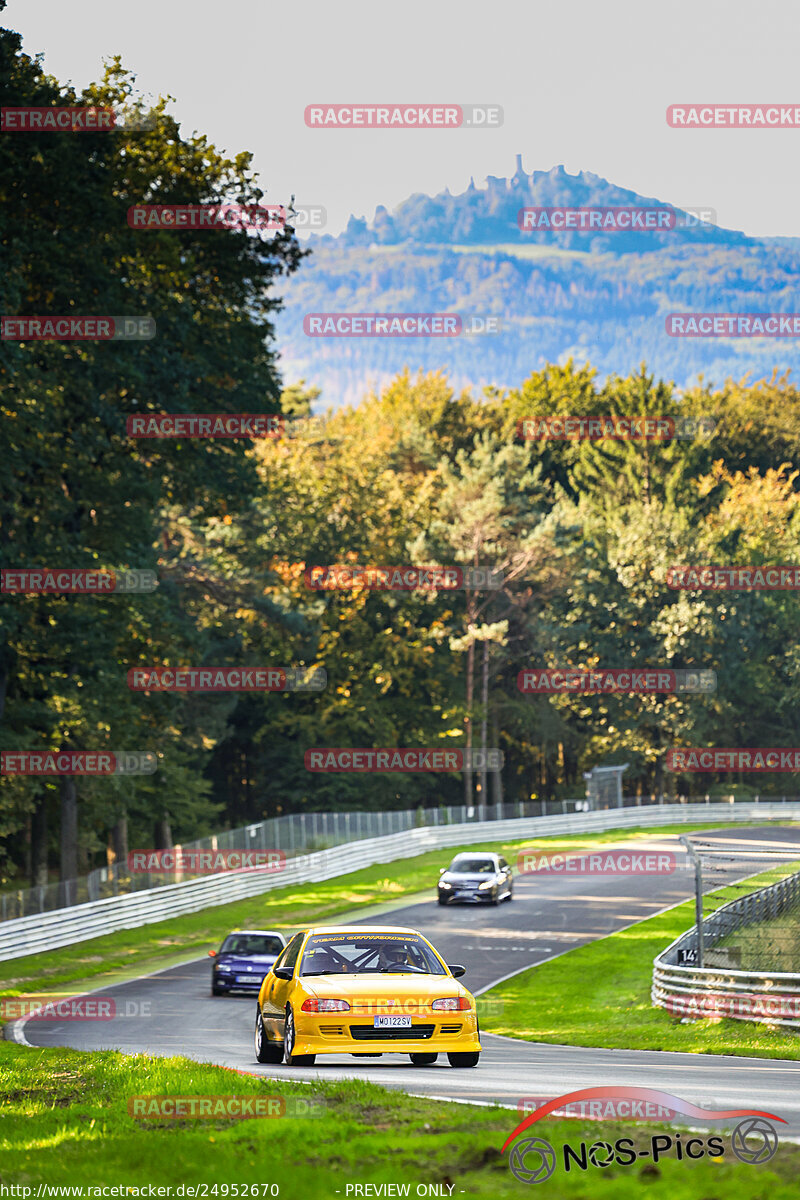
365 992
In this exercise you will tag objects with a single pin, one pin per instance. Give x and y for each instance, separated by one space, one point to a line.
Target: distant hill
594 296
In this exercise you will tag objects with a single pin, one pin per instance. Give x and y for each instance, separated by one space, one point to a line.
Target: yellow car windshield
378 953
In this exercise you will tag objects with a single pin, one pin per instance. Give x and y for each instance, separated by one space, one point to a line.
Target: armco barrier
292 833
49 931
770 997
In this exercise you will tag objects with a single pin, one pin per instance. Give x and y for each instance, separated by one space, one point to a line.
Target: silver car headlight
484 887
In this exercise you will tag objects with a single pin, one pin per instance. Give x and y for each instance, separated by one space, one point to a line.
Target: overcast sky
581 83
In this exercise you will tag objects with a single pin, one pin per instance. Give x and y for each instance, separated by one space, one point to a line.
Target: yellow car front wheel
289 1038
266 1051
423 1060
467 1059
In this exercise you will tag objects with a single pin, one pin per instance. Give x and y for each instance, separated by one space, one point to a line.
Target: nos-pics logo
754 1140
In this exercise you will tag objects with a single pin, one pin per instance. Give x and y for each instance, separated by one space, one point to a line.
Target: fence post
698 896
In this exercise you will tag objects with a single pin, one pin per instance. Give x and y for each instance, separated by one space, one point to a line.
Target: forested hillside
597 297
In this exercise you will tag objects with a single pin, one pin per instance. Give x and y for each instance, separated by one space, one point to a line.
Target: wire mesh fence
760 930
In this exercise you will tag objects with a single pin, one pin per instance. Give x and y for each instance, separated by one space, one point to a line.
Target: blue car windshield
251 943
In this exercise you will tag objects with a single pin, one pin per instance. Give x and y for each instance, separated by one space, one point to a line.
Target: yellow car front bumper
354 1033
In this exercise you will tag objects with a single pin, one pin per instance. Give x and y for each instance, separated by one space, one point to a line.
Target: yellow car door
277 991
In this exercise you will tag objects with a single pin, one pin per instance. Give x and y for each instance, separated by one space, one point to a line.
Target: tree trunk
27 845
119 841
497 776
38 874
484 719
468 723
69 828
549 777
163 834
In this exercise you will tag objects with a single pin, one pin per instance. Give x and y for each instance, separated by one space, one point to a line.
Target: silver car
476 878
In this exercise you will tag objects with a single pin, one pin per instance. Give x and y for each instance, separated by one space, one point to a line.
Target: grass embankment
599 994
66 1122
150 947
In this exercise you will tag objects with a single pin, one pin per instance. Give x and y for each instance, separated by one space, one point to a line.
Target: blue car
243 959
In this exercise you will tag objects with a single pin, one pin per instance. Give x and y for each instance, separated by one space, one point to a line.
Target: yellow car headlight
316 1006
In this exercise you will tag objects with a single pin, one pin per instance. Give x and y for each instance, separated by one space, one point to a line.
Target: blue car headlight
444 884
223 967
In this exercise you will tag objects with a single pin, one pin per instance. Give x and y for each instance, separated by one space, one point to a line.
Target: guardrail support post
698 896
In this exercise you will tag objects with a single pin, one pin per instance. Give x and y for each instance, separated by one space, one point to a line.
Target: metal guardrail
770 997
294 834
49 931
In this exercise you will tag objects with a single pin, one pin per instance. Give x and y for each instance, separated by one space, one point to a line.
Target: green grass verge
65 1122
150 947
599 994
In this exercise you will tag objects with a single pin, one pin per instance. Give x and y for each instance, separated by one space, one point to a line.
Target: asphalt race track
174 1013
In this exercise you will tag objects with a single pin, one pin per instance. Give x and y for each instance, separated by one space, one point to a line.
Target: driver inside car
394 958
321 961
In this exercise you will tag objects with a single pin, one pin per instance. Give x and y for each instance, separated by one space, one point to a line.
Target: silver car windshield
473 866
